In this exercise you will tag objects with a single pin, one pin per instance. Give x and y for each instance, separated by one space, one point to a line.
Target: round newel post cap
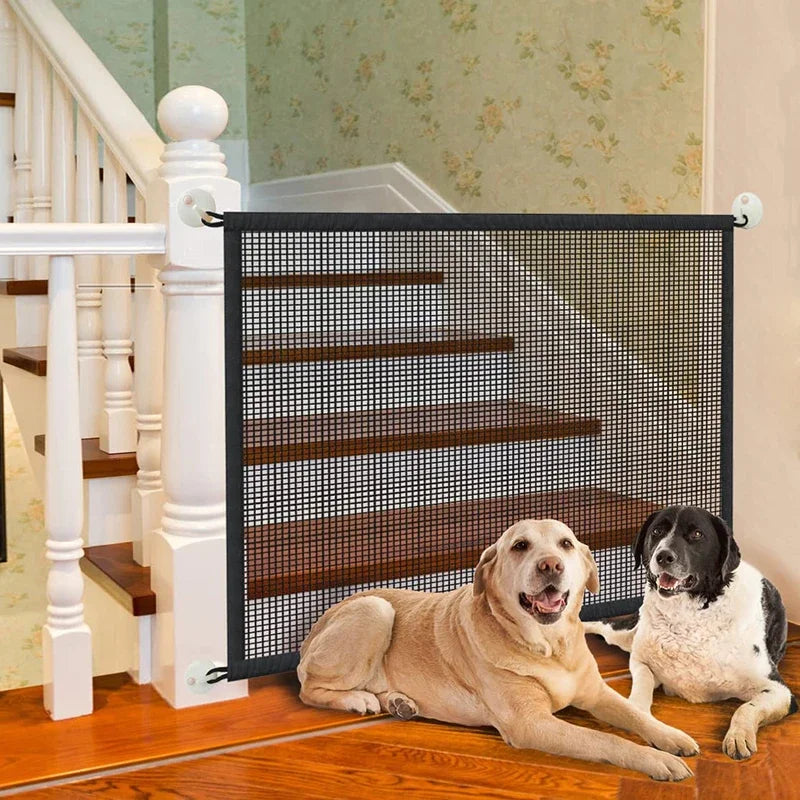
192 112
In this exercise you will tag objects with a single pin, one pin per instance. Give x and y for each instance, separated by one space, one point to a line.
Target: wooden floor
378 759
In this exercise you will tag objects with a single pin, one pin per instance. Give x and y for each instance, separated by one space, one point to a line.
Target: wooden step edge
29 359
16 288
352 574
341 279
7 99
288 355
399 443
112 567
96 463
34 359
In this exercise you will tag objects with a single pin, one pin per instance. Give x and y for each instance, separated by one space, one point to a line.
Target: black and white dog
711 626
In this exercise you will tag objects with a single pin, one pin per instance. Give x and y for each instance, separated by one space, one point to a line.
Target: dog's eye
567 544
522 544
696 535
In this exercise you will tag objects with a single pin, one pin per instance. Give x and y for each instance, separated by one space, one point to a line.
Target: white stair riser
324 387
381 481
107 510
288 617
349 308
23 320
121 642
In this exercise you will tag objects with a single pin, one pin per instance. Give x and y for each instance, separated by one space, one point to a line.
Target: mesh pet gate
401 388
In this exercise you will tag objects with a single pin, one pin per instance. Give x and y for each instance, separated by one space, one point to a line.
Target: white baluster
66 639
8 69
148 495
91 361
188 552
23 210
118 418
41 129
63 159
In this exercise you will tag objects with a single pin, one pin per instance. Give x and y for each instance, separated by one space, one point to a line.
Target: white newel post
91 361
23 208
66 638
188 553
148 494
8 69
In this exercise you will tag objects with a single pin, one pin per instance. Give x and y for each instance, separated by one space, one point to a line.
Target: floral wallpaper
584 105
121 35
24 576
152 46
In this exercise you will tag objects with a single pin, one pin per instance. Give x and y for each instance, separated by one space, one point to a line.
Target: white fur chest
705 654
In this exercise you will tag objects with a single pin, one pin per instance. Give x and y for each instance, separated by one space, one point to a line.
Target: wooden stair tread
298 280
347 550
18 287
113 568
350 433
33 359
96 463
358 344
30 359
36 287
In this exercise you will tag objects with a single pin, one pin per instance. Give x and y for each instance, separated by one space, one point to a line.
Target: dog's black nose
550 565
665 557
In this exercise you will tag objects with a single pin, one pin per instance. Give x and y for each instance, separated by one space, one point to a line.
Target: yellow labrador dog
506 651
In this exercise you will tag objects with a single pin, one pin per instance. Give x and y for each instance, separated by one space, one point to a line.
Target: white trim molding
81 238
380 188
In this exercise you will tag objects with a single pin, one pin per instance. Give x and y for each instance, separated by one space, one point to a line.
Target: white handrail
119 122
81 238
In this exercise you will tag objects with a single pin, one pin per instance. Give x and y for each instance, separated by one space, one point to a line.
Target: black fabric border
234 504
247 221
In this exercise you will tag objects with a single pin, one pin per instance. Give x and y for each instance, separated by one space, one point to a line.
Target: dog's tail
618 631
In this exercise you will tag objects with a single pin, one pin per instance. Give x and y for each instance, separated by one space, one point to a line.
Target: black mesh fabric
401 388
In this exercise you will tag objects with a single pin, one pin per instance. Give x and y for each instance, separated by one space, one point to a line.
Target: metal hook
741 224
208 219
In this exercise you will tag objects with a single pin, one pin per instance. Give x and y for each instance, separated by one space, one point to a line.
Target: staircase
93 419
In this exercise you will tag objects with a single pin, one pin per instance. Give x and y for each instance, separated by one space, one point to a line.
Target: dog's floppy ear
593 581
487 559
729 551
638 542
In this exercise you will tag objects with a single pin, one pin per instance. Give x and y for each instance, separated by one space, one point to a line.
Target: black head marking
757 650
639 541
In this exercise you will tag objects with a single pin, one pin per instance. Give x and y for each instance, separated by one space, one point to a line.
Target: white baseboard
382 188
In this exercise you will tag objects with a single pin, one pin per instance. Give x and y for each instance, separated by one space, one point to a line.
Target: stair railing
69 113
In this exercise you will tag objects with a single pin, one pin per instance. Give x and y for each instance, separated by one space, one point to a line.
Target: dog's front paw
671 740
665 767
363 703
401 706
740 742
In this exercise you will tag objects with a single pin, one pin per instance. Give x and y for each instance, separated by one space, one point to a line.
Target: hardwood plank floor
423 760
132 724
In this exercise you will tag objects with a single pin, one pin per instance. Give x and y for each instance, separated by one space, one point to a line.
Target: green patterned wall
152 46
584 105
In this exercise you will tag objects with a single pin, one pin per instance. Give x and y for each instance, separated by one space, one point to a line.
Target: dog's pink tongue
549 600
666 581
